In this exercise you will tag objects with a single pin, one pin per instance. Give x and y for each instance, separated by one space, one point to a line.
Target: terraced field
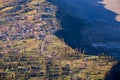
29 49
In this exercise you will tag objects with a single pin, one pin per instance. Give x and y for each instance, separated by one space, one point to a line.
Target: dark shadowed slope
102 32
73 31
114 74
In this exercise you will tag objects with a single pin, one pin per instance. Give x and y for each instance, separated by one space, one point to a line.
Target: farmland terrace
29 49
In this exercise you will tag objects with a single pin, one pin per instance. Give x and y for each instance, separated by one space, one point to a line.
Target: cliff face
102 31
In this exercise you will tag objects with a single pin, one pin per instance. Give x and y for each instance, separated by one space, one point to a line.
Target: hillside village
29 49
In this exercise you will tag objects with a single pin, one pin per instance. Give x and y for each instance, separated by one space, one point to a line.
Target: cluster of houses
31 26
43 22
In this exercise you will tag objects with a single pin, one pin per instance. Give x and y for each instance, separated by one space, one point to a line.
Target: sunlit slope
1 3
17 6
